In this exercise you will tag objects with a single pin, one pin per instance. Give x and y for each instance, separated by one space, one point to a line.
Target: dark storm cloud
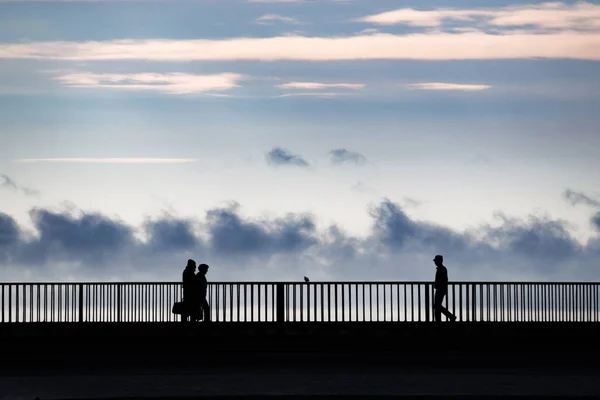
280 156
343 156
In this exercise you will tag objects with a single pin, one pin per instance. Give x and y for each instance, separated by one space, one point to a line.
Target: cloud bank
550 15
90 245
470 45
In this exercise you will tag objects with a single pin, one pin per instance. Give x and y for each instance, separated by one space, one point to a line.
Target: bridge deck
171 359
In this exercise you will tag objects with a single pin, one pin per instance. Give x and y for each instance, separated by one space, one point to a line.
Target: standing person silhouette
441 290
202 291
189 289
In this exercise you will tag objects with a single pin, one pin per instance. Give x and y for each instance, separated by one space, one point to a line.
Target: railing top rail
306 283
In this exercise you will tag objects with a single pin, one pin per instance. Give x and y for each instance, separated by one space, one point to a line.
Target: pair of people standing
195 288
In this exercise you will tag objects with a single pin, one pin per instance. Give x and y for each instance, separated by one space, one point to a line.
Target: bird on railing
306 279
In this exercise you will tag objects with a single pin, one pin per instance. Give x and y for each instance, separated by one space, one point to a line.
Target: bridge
362 330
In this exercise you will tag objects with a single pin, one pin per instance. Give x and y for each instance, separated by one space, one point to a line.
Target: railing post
10 302
118 302
473 303
280 303
427 300
80 302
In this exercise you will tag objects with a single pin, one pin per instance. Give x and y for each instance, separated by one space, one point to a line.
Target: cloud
268 19
173 83
279 156
446 86
318 85
130 160
476 45
230 234
324 95
343 156
595 221
9 183
576 198
92 245
277 1
578 16
364 188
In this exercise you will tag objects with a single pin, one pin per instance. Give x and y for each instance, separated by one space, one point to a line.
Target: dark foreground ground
138 361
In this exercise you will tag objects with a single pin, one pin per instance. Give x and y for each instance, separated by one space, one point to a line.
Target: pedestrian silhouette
202 307
189 290
441 290
306 279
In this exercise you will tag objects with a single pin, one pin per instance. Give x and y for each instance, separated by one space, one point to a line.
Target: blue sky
272 140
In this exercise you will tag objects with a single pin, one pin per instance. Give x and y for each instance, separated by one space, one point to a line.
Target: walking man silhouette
441 290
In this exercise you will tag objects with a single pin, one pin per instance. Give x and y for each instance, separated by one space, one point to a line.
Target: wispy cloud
318 85
421 46
576 198
344 156
325 95
271 18
581 15
280 156
277 1
108 160
446 86
174 83
6 182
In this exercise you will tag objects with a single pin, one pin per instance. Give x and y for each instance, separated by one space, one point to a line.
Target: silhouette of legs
205 310
439 307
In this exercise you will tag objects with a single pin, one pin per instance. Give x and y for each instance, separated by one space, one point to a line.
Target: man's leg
448 314
440 309
205 310
437 305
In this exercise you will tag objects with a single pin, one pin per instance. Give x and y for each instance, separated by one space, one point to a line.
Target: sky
276 139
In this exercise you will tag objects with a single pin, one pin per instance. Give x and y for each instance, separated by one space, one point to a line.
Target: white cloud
276 1
446 86
109 160
270 18
313 94
368 31
318 85
554 15
421 46
174 83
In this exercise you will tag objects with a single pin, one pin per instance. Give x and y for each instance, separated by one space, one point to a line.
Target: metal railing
296 302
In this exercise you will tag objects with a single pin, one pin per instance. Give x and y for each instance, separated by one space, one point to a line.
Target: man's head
191 264
203 268
438 260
